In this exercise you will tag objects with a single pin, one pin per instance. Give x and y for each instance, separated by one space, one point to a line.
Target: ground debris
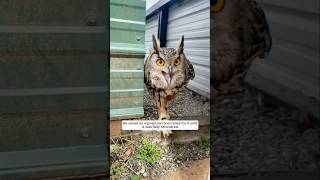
125 163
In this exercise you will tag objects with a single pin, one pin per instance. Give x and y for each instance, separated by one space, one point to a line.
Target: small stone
142 170
145 174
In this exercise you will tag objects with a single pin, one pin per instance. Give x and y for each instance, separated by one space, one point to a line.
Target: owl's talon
165 116
166 133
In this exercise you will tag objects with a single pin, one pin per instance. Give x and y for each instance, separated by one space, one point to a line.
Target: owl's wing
259 33
146 77
189 71
257 40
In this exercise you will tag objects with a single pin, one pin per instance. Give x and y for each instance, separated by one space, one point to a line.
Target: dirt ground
196 170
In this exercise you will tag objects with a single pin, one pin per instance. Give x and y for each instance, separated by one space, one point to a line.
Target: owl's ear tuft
180 45
156 43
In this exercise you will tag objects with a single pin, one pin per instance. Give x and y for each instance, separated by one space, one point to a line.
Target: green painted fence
53 88
127 28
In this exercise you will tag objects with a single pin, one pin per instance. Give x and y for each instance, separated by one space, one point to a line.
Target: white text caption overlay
160 125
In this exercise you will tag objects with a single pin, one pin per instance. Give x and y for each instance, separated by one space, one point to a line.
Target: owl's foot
166 133
164 116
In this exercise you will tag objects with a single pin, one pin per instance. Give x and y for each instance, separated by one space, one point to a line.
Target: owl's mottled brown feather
189 71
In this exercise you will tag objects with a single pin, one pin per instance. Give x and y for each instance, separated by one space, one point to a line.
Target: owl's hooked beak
168 74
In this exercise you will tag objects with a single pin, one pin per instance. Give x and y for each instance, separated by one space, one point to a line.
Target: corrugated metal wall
53 90
291 71
190 18
151 29
127 33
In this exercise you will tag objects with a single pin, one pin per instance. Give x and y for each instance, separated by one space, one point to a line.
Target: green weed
204 143
134 177
148 152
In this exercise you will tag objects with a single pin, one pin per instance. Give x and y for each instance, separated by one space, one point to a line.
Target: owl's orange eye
217 5
160 62
177 62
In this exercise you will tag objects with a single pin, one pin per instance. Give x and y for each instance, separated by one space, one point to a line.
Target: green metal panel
127 28
53 88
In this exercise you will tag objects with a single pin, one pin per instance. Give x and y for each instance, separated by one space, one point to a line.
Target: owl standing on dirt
239 34
167 70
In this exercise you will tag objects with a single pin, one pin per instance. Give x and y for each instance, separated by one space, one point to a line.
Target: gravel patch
250 135
186 104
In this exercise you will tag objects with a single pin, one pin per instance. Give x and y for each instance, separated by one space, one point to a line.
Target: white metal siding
191 18
151 28
291 71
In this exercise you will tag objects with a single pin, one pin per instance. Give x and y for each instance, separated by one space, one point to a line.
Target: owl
239 35
167 71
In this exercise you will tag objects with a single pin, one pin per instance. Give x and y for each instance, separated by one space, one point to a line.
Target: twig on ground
130 168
